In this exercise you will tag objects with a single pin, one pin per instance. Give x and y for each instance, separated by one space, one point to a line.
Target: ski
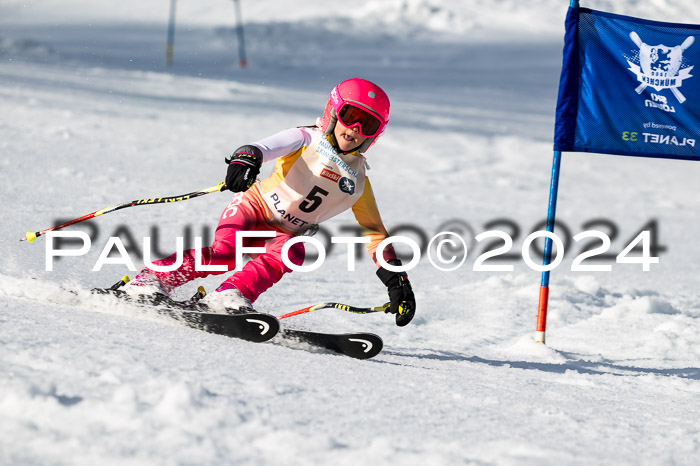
246 325
250 326
355 345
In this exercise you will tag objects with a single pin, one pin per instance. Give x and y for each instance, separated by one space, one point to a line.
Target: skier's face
348 138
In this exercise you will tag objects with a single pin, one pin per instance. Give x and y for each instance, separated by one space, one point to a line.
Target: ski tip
370 345
249 326
354 345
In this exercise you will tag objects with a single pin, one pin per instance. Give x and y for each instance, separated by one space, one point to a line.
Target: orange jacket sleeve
367 216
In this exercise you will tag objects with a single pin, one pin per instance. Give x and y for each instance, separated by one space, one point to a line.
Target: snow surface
91 117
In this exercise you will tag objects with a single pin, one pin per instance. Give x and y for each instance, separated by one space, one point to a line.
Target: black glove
403 303
243 168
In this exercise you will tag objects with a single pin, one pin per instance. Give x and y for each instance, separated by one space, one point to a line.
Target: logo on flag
606 56
660 67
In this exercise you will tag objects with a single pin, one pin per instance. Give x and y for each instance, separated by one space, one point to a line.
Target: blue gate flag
629 86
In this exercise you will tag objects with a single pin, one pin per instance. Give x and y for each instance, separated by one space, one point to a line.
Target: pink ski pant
257 275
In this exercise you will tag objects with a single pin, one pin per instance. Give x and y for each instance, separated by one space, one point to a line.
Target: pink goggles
368 123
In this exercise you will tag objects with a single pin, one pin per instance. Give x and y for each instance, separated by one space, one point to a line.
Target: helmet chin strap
365 145
334 142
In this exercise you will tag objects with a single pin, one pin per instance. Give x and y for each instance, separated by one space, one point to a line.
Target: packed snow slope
90 117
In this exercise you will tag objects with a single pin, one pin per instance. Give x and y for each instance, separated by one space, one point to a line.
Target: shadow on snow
577 365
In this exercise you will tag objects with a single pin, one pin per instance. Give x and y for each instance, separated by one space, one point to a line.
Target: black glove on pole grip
243 168
403 302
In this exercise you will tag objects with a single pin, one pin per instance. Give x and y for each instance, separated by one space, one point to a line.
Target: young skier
320 172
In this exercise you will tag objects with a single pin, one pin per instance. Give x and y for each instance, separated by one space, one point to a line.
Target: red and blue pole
547 259
544 285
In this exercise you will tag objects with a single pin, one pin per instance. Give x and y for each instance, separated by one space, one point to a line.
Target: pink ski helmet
357 103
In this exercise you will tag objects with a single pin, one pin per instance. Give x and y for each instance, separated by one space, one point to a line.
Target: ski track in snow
91 118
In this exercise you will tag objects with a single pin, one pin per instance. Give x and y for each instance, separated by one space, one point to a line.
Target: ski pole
31 236
342 307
